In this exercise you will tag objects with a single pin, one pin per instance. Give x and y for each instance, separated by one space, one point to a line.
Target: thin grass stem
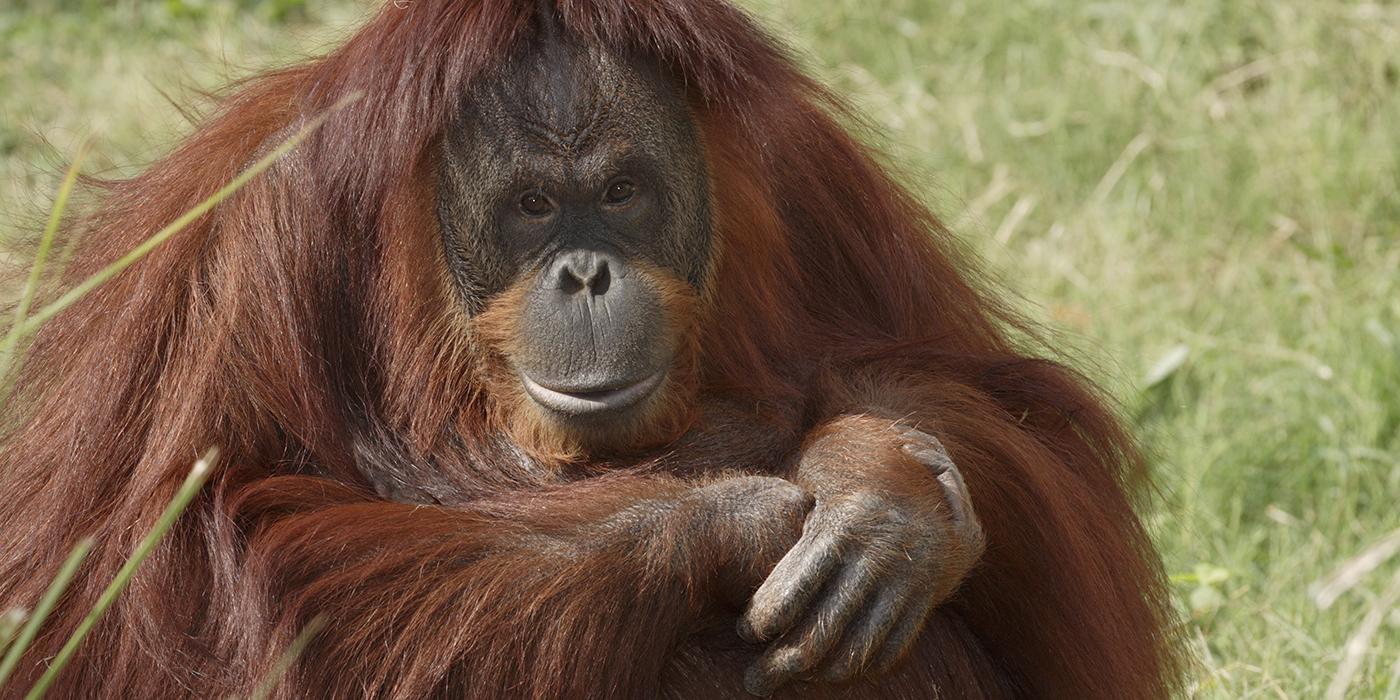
288 657
46 605
9 347
67 299
192 485
9 626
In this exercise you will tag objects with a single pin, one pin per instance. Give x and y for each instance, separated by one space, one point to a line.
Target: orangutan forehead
565 99
571 123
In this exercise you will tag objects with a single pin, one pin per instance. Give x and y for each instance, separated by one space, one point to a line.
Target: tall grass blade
46 605
193 483
9 347
145 247
284 662
9 625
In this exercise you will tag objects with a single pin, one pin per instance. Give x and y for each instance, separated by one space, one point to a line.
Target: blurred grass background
1204 196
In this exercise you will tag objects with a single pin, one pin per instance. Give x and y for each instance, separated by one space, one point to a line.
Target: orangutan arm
558 594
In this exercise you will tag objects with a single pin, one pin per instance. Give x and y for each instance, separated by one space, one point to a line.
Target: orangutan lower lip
577 403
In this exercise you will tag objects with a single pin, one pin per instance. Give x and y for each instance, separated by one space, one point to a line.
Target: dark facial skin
584 176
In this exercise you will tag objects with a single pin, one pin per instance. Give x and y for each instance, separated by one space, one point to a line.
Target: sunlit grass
31 628
9 346
1204 196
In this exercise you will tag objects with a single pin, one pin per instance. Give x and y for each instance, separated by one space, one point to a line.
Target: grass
1204 196
199 474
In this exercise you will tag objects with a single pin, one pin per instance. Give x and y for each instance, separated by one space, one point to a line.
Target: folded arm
553 594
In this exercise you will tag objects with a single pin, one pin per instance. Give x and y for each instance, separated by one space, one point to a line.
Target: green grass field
1203 196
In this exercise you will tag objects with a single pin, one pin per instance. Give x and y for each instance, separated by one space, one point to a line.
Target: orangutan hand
892 534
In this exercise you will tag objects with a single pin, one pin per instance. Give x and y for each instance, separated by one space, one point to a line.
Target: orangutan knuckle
793 659
865 506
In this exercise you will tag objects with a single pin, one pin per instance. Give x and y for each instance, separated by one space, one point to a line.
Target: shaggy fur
307 327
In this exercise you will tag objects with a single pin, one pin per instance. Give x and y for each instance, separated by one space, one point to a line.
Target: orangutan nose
583 270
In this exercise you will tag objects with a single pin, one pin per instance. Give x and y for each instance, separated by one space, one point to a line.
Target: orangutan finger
791 586
866 636
802 648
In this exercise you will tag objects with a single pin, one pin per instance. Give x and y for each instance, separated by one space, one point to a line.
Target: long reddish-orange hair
304 325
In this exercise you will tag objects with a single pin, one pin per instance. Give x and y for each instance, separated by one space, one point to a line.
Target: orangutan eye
535 204
620 192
